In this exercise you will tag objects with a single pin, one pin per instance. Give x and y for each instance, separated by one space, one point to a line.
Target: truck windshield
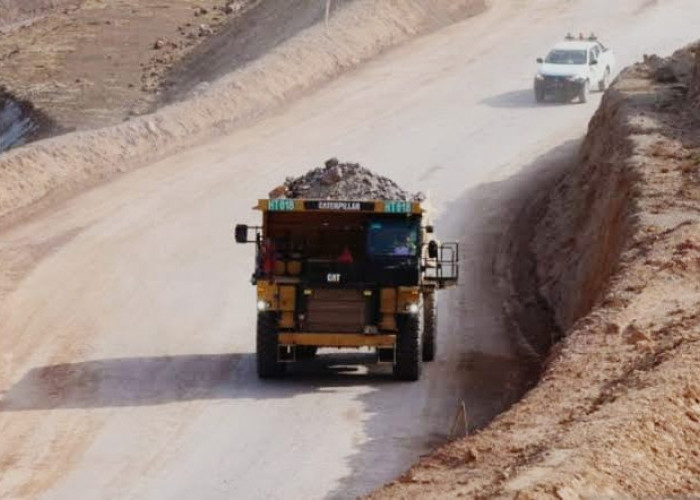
566 57
392 238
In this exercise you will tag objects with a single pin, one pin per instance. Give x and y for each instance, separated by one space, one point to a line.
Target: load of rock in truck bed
343 181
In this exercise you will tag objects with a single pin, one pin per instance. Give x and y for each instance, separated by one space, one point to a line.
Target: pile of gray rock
343 181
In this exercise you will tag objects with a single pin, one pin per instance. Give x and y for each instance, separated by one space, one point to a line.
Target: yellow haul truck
347 274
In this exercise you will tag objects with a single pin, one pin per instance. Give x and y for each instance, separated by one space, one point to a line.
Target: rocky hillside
617 412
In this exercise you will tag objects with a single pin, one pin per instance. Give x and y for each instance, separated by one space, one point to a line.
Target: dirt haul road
127 326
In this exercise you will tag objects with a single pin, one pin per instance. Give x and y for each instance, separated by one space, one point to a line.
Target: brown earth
617 412
91 63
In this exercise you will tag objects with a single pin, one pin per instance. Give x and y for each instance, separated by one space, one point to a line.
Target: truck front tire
539 94
267 346
430 319
408 348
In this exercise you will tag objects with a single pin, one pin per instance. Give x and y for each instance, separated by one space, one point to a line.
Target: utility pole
328 12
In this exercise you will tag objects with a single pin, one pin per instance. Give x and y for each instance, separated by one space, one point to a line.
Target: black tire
603 84
306 351
408 347
267 346
539 95
430 319
583 93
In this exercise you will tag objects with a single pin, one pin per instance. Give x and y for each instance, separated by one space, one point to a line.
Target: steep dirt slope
617 413
261 28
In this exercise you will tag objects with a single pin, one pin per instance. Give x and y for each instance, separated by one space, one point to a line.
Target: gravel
343 181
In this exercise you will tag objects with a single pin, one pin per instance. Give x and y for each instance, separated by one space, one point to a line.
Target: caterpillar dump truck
347 274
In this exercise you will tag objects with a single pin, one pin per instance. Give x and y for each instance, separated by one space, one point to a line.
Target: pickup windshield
566 57
392 238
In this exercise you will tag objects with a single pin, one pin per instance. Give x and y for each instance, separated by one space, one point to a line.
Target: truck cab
573 68
347 274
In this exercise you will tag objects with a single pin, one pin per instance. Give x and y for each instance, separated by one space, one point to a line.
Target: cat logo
333 278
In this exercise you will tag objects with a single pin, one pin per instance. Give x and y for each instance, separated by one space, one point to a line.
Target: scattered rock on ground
234 7
205 30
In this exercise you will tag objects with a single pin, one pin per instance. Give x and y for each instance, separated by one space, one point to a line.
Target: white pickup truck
572 68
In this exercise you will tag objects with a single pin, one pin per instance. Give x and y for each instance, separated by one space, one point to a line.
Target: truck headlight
263 306
412 308
539 77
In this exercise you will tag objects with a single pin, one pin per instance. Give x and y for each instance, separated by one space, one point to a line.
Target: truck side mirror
241 233
540 60
430 229
433 250
594 62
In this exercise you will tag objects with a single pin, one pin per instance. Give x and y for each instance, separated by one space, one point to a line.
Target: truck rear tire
408 348
267 347
430 318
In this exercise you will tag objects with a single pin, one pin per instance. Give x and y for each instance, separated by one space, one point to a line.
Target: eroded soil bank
617 250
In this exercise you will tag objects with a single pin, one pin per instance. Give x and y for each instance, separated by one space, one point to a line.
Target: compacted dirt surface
127 318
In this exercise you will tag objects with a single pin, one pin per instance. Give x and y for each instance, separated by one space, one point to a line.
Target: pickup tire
267 347
408 347
430 319
603 84
539 93
583 93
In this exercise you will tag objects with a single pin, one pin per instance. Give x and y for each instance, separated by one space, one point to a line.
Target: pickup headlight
575 78
539 77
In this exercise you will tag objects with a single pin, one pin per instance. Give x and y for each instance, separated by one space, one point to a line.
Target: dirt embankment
39 174
617 412
260 28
